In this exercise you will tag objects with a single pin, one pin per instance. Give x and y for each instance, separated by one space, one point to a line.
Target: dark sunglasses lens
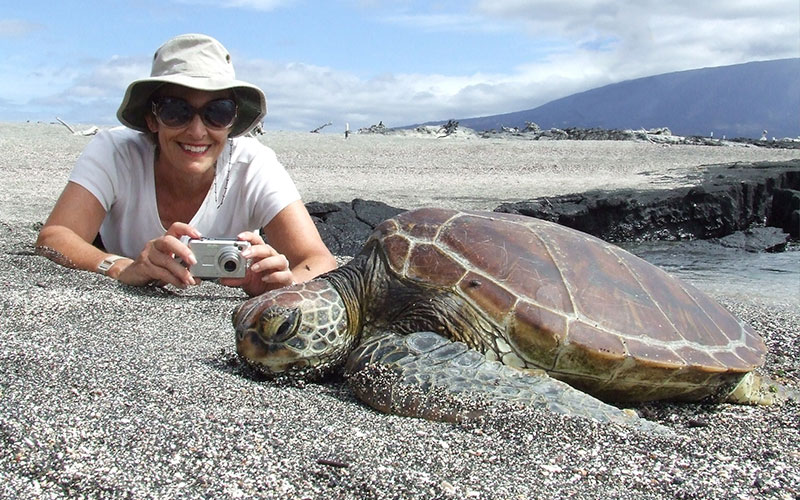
174 112
219 113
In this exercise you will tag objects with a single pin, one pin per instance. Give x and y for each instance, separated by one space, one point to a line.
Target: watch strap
106 264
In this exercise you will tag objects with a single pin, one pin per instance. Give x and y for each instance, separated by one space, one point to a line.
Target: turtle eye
285 325
283 330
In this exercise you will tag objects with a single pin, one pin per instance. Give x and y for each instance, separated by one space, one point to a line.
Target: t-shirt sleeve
95 171
270 188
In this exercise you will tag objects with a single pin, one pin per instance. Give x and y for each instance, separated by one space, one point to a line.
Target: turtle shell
581 309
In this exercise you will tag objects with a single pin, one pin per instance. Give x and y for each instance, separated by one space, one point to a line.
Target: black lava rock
345 226
730 198
735 199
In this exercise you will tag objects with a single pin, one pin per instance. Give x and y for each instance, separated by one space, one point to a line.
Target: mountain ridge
740 100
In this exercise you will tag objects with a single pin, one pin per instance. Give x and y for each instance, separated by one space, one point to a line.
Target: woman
182 170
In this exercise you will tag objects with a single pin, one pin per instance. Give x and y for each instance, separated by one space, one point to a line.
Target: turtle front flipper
426 375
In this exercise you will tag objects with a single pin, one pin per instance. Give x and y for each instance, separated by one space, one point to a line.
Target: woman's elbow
48 244
46 236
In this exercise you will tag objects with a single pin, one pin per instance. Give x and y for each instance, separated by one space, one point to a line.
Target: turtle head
300 331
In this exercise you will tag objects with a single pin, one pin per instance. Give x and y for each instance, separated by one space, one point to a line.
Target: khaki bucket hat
198 62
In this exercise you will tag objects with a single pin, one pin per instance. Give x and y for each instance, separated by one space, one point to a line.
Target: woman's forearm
313 266
63 246
72 225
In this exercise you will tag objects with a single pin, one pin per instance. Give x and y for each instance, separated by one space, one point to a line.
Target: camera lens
229 260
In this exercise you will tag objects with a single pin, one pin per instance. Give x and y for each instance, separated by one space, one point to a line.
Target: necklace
220 198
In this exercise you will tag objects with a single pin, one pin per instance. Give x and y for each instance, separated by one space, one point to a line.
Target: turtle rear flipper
426 375
757 389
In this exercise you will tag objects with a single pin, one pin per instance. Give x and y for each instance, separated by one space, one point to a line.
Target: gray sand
108 391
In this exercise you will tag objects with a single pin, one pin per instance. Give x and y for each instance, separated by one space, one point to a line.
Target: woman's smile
195 149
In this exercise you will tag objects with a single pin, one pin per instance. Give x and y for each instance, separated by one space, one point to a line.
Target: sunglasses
174 112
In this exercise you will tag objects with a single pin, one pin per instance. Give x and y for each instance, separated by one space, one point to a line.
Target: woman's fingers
142 271
253 238
166 259
169 246
268 268
264 258
275 270
271 264
180 278
171 243
280 278
178 229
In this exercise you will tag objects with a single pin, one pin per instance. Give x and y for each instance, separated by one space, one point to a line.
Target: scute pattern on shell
582 309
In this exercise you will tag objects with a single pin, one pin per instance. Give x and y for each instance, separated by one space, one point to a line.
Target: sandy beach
108 391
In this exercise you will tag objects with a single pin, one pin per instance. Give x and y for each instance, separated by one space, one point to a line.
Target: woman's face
194 148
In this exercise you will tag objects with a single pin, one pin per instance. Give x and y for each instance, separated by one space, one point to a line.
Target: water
773 277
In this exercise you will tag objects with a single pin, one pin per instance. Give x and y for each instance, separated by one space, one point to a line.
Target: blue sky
364 61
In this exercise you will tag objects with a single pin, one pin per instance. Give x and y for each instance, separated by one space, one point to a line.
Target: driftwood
257 130
448 128
532 127
89 131
380 128
62 122
316 130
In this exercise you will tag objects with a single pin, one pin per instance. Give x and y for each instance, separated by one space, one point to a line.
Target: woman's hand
157 261
268 270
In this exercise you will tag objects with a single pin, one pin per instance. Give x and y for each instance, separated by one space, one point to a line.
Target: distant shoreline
661 135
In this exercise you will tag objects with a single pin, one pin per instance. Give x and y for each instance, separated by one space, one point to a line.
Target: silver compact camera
218 258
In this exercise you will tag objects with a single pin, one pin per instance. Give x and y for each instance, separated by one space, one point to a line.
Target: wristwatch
106 264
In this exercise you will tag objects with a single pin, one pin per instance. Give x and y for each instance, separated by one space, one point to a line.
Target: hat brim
136 104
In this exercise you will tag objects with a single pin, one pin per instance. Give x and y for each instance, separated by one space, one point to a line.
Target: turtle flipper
426 375
758 389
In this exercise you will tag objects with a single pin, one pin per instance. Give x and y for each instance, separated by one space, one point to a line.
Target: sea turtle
503 307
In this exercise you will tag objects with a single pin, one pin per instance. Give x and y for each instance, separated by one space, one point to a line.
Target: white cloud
662 35
452 22
87 92
265 5
17 28
304 96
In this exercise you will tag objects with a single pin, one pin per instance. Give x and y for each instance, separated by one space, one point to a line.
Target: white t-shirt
250 188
